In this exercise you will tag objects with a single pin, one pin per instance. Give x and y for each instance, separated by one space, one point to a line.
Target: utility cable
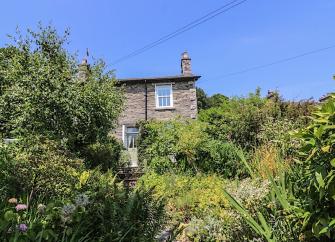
181 30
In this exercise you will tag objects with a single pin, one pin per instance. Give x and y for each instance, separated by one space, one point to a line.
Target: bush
98 210
316 186
252 121
236 120
177 140
302 197
134 216
106 155
184 146
7 172
187 196
277 134
39 167
198 205
221 158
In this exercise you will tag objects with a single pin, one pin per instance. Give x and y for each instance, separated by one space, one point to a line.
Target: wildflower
82 200
13 200
68 209
23 227
20 207
41 208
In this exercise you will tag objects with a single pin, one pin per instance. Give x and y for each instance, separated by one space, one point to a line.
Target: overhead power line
280 61
183 29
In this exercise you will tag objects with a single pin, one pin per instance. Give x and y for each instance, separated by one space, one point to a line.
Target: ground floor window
131 137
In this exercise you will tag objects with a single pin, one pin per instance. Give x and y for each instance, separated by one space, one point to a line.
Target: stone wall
184 103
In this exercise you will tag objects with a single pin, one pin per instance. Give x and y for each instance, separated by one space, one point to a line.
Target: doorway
131 136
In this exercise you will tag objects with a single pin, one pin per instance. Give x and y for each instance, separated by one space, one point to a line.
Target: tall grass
280 196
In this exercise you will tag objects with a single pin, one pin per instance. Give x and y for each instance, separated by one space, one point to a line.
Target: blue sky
254 33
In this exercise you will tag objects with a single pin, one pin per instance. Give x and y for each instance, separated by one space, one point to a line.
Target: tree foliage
41 92
184 146
251 121
38 167
317 172
204 101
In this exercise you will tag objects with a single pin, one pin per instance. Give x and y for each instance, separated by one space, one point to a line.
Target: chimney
83 70
185 64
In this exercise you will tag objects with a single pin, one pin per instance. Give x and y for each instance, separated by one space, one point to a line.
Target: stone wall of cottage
184 103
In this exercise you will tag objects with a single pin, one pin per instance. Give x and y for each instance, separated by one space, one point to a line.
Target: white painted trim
171 95
123 134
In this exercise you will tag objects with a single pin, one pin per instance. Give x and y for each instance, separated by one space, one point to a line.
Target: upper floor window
164 96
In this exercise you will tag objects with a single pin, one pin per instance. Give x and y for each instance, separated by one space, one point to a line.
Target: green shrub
100 210
188 196
8 181
198 204
133 217
221 158
207 228
302 197
277 133
181 145
177 140
39 167
316 186
236 120
252 121
105 155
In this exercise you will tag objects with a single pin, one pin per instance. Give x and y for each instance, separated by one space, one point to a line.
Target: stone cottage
156 98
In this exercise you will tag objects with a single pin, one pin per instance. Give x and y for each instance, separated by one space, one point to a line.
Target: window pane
167 92
168 101
163 95
132 130
163 90
131 136
159 92
131 141
164 101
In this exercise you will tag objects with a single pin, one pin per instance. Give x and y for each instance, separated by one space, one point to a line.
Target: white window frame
125 134
157 97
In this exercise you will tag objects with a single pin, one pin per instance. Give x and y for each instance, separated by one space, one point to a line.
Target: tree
216 100
205 102
42 94
202 99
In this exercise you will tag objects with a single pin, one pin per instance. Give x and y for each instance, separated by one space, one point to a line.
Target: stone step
129 175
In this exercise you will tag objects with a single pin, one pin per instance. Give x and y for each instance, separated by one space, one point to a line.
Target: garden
248 168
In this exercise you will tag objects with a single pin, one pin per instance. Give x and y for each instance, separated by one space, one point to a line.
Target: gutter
145 100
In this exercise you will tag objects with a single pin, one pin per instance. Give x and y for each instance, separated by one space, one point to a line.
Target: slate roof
160 78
